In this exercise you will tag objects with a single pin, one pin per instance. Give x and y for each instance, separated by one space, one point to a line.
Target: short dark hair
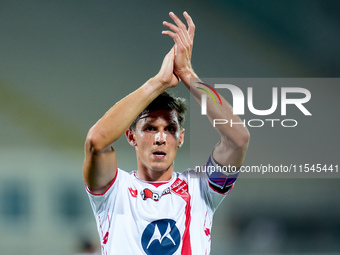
165 101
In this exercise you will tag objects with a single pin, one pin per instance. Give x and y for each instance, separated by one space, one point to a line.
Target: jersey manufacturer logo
161 237
106 238
207 226
146 193
133 192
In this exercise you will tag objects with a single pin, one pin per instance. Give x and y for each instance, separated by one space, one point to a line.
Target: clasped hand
177 63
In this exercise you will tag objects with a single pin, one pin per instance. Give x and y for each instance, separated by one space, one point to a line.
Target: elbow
242 140
95 140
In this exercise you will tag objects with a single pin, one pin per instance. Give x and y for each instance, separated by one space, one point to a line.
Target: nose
160 138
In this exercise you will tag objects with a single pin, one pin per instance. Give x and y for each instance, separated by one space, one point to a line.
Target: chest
148 202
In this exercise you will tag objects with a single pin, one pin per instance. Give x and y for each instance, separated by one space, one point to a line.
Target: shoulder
191 173
120 177
193 178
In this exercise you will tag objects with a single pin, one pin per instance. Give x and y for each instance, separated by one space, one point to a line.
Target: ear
181 138
130 137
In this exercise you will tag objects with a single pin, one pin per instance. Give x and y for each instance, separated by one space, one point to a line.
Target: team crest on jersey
147 193
180 187
161 237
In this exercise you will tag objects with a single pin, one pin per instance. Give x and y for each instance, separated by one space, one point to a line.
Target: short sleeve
99 201
215 181
221 178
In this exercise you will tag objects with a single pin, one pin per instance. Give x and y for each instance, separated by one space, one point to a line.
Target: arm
234 140
100 158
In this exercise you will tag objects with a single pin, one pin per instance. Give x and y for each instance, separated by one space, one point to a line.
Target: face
156 140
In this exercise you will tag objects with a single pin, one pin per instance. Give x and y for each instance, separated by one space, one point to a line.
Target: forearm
120 116
100 159
235 138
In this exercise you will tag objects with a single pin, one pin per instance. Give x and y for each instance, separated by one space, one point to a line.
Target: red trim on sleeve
113 181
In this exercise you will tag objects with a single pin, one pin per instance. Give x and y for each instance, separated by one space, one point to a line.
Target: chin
160 168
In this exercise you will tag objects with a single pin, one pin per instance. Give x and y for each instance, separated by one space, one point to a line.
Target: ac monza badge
161 237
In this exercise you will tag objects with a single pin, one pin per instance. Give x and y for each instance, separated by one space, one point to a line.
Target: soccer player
155 210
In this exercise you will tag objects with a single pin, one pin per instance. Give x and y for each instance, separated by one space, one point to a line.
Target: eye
150 128
171 129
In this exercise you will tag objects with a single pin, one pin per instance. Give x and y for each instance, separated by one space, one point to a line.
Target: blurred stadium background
64 63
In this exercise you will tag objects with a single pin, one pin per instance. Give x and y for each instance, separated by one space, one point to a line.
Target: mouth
159 154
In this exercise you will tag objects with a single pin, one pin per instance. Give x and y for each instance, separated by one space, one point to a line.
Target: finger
173 35
170 55
180 47
171 26
168 61
191 25
183 35
178 22
183 29
172 52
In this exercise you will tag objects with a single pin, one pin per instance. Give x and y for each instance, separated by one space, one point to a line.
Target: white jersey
156 218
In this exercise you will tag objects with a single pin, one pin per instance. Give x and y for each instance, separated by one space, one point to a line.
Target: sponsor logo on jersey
161 237
147 193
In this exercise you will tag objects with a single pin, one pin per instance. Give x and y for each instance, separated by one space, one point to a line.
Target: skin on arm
100 162
234 140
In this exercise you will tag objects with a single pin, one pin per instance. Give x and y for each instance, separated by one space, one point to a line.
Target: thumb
168 61
172 50
171 54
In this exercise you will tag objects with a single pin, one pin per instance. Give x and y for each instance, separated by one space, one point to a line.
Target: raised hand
183 38
166 75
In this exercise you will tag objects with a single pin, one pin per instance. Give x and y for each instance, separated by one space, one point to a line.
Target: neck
155 175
